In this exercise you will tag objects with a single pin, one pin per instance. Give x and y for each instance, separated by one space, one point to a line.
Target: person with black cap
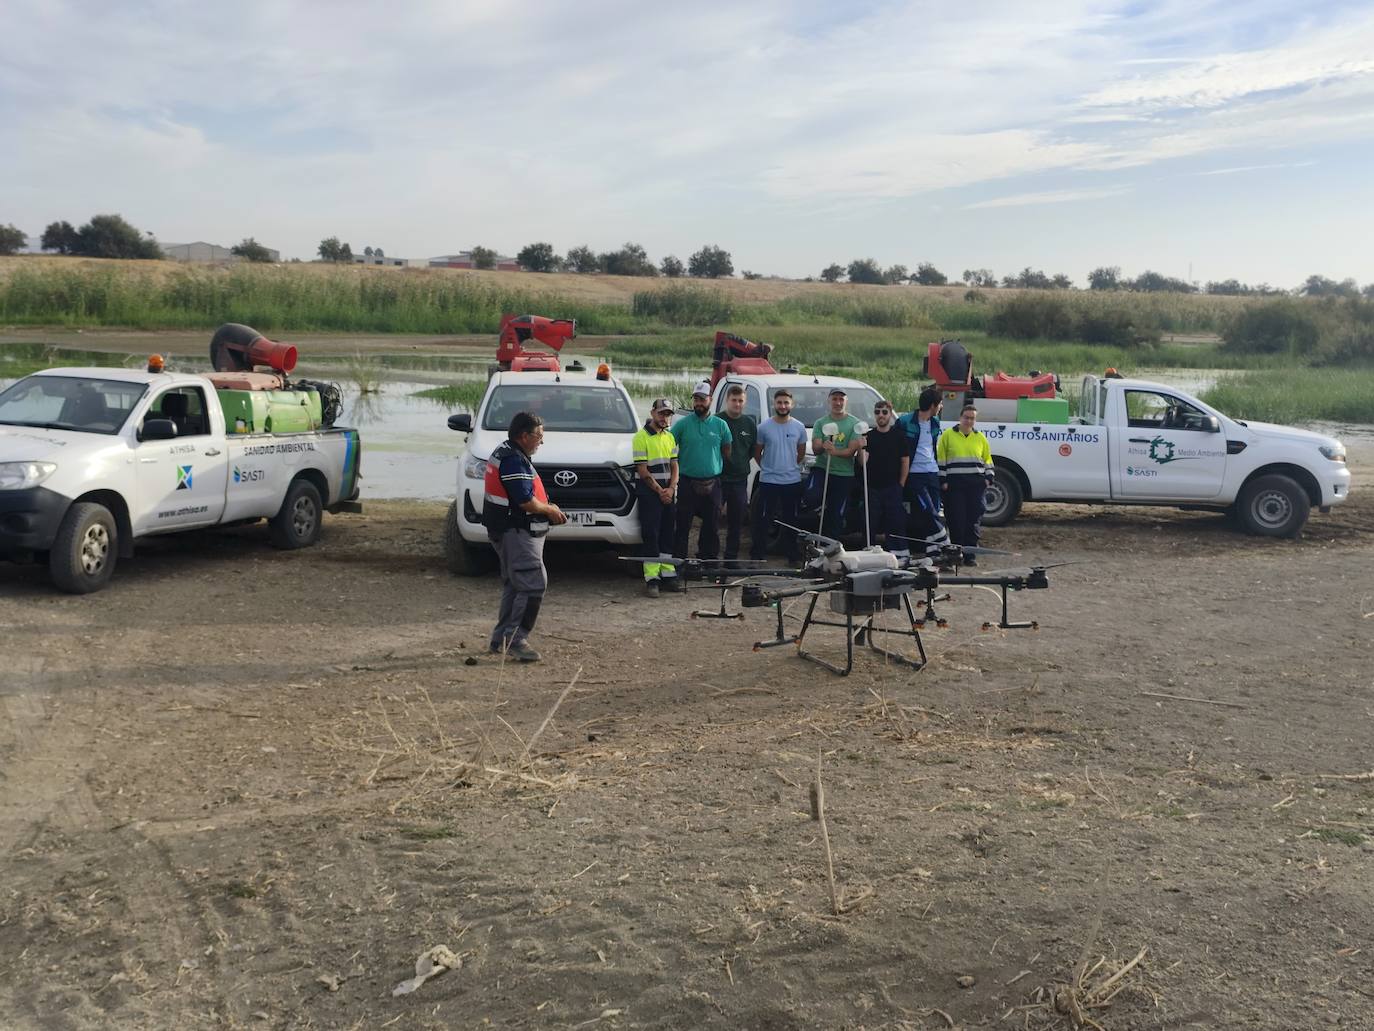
703 442
655 457
835 439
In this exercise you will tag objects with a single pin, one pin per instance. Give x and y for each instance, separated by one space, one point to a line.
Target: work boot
970 560
651 588
523 652
674 584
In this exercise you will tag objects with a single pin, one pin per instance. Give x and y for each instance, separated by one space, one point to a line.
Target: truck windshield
69 403
812 403
563 407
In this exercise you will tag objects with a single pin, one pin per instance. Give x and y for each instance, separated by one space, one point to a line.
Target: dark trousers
886 516
523 582
736 507
776 502
923 496
836 496
657 527
693 505
964 508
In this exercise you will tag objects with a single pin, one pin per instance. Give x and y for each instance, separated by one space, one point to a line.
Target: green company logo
1161 450
183 477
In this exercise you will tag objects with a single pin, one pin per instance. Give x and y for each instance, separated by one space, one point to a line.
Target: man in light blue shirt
923 481
780 452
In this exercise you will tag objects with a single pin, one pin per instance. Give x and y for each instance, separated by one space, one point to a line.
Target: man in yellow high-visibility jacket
965 471
655 458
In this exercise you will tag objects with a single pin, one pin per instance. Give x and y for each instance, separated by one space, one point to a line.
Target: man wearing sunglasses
887 460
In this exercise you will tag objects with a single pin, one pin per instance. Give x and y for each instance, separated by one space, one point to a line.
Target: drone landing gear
857 633
721 614
1005 623
781 636
929 616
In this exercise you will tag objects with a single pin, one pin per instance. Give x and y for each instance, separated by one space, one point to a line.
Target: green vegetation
346 301
1297 395
467 394
1337 836
1326 332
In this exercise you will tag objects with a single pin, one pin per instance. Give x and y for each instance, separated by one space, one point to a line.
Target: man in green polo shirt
734 477
703 446
835 439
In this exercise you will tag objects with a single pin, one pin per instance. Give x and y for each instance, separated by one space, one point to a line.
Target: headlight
1335 452
22 475
475 468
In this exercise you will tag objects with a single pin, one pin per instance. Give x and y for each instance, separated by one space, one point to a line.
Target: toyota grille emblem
565 477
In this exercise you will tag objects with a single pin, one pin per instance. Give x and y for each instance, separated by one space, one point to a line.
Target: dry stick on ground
535 737
1346 776
1190 698
818 813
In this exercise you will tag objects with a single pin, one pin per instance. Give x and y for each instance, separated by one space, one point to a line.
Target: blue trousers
886 516
657 525
964 508
925 521
776 502
836 500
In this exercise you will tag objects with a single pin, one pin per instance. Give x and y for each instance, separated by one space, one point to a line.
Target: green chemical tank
270 411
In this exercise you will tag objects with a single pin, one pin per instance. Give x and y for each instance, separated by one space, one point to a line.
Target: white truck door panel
1165 448
257 478
1061 461
180 482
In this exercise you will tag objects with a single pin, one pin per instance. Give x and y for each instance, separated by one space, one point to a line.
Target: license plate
581 518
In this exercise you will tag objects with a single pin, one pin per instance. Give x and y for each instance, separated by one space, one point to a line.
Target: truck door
1168 448
180 482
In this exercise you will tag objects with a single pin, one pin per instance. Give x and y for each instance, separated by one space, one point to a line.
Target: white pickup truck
93 459
586 461
1134 442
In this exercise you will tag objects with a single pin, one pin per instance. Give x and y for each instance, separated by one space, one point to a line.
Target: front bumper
1336 487
29 520
608 528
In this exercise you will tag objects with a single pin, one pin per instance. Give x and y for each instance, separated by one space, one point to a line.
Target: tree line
111 236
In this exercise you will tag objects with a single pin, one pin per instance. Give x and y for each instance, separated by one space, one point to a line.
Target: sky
1202 140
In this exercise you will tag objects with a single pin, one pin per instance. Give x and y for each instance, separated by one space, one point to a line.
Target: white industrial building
202 251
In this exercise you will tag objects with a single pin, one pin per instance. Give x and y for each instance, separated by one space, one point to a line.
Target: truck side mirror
462 422
158 429
1212 424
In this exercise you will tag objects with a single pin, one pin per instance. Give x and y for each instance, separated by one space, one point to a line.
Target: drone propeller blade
731 562
967 549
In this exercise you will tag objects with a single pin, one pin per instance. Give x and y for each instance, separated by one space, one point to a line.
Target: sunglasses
882 411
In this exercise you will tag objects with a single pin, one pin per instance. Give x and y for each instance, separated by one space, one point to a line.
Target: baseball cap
662 404
702 389
838 390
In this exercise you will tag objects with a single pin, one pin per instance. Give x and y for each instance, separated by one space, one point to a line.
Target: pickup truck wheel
83 554
462 558
1273 506
297 523
1003 499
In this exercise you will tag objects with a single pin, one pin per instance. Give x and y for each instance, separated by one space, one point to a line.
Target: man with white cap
655 457
703 442
835 439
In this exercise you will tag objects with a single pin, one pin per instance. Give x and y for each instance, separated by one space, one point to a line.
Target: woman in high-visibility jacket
965 462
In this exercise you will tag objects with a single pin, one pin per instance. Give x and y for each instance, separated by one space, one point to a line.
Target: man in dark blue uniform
517 514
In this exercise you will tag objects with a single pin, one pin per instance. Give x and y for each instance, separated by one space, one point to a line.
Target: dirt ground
243 788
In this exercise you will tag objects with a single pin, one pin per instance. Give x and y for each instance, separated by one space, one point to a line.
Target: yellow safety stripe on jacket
657 451
959 455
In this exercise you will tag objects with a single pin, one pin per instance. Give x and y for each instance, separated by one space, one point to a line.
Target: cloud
1256 168
1047 197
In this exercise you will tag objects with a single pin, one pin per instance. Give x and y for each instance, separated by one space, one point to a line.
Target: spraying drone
860 586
